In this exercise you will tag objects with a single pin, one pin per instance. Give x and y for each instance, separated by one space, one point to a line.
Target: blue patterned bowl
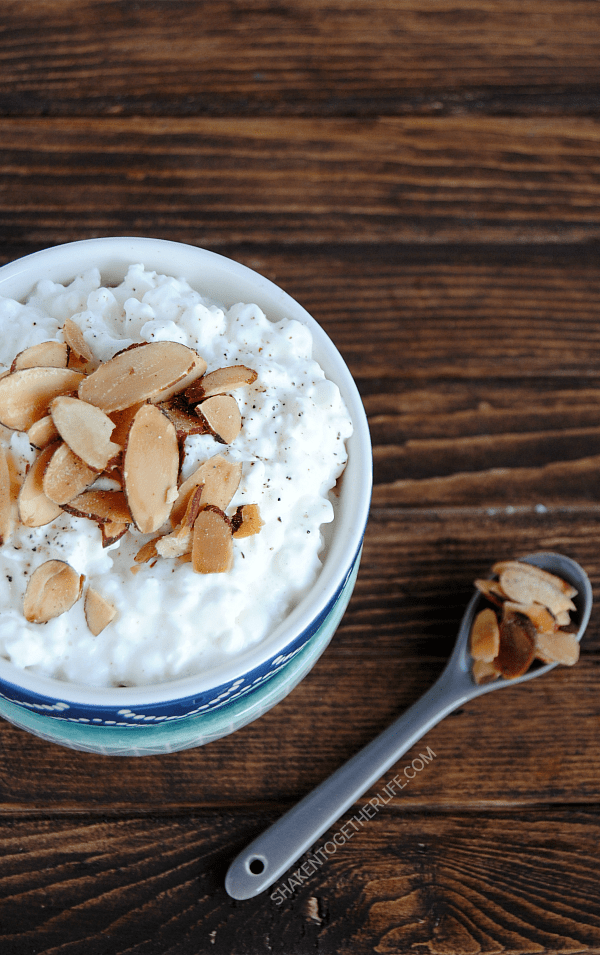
191 711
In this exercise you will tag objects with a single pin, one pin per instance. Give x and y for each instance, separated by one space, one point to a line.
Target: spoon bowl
268 856
460 662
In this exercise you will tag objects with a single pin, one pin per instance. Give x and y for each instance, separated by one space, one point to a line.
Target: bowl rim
117 253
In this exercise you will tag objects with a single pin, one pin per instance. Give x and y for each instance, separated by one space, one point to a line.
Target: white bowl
196 709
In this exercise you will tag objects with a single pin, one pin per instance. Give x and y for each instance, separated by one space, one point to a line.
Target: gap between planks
398 806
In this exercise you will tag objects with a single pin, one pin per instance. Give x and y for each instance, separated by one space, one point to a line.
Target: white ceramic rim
208 272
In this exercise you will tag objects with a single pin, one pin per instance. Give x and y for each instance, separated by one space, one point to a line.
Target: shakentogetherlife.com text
349 829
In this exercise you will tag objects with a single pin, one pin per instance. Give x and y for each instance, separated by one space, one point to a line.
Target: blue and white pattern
145 738
124 717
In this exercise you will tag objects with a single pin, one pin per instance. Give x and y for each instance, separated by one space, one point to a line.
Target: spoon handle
270 854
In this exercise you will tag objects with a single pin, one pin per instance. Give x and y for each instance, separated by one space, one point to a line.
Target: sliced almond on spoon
557 648
35 509
524 584
45 355
541 618
563 618
535 572
517 645
86 429
150 468
26 394
492 590
484 672
66 475
53 588
222 417
485 636
138 374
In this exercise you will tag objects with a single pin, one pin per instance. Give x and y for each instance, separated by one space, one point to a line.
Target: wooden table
424 177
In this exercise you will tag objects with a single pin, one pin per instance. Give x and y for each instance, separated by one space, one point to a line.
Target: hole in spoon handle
271 853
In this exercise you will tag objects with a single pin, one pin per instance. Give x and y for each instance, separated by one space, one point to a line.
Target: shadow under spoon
261 863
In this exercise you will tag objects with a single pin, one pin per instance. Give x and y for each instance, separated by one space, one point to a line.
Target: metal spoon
269 855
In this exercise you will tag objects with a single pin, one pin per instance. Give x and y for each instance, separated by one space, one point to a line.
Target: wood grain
424 179
298 57
388 180
445 883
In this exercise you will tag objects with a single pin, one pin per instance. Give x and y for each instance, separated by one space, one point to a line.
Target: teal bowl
188 712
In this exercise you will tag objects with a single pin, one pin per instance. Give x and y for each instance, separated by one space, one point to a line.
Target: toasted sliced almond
517 645
175 544
66 475
535 571
222 417
541 618
86 429
186 422
104 507
197 370
16 481
44 355
43 432
523 585
220 479
98 611
246 521
35 509
138 374
212 543
557 648
122 421
220 381
112 531
53 588
485 636
179 542
150 468
6 521
26 394
563 618
73 337
492 590
147 552
484 672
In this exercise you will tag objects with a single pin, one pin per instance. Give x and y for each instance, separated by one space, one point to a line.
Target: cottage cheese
172 622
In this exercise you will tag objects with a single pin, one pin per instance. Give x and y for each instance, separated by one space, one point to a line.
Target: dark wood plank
300 181
394 883
298 57
523 745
